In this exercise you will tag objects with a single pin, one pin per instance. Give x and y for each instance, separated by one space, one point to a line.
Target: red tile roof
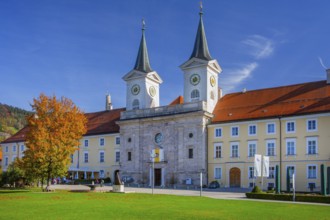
0 156
18 137
103 122
300 99
98 123
177 101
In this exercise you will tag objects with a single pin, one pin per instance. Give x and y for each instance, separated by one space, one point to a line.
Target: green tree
54 133
13 175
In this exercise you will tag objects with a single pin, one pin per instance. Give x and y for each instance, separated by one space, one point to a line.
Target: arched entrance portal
235 177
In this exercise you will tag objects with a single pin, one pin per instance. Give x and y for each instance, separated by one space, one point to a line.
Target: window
290 127
234 131
7 149
234 150
86 143
271 128
271 173
311 186
218 132
217 173
290 146
117 156
252 130
252 148
212 95
136 104
101 156
101 173
6 161
71 156
217 151
311 125
311 171
101 141
251 172
14 148
118 140
271 185
190 153
129 156
14 158
270 147
195 95
311 143
290 169
22 148
85 157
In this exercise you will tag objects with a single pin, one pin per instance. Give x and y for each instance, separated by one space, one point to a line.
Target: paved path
216 194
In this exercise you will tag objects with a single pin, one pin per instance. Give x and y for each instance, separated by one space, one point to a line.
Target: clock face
152 91
194 79
158 138
135 89
212 81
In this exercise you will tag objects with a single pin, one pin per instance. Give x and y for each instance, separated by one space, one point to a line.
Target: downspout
280 124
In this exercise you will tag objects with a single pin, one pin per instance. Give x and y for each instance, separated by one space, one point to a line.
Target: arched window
195 95
152 103
136 104
212 95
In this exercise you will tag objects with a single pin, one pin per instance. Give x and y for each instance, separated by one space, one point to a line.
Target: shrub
256 189
289 197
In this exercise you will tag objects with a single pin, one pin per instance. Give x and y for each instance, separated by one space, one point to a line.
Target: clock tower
201 72
142 83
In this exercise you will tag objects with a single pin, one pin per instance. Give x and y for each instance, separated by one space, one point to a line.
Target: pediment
194 62
154 77
134 74
215 66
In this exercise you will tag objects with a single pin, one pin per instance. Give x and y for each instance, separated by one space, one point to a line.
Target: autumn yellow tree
54 133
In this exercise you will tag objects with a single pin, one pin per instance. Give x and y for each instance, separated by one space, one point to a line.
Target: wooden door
235 177
158 177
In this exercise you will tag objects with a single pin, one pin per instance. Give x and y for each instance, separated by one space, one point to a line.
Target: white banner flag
257 165
265 167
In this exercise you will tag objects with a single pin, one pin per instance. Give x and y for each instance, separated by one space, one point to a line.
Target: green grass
66 205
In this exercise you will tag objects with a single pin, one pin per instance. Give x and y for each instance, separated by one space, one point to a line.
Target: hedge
289 197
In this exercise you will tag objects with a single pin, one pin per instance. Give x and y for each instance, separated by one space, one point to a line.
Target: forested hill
12 119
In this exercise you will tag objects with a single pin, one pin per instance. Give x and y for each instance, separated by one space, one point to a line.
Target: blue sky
81 49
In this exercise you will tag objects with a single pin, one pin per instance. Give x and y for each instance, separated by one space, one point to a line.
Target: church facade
178 132
202 134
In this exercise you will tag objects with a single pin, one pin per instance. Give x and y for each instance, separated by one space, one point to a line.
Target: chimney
108 104
328 76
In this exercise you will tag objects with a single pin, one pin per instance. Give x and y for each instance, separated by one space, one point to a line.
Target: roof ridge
277 87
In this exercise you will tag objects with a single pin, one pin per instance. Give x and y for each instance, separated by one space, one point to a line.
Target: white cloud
232 78
261 47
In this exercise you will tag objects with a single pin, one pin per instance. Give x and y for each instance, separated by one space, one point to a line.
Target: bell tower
142 83
201 71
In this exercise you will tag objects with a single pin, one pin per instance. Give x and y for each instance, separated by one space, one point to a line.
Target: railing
164 110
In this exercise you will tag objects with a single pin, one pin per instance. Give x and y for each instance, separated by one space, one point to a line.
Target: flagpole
262 174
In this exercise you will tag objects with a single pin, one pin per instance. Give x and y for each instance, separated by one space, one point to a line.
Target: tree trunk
42 182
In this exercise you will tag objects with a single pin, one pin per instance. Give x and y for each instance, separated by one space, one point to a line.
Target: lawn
68 205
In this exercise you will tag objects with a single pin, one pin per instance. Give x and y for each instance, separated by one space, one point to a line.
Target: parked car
214 185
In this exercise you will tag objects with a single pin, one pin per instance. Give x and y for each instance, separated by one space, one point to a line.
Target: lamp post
153 156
